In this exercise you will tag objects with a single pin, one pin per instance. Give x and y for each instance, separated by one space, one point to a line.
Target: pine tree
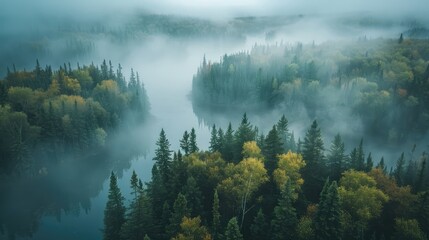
114 213
244 133
283 132
357 158
184 143
134 184
327 223
284 220
216 217
314 172
227 145
194 197
163 158
233 231
259 227
369 163
214 141
398 173
272 148
337 160
193 148
180 210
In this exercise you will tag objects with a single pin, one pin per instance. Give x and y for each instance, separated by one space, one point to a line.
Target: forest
46 115
383 84
248 185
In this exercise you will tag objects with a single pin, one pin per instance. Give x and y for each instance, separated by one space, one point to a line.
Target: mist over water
166 64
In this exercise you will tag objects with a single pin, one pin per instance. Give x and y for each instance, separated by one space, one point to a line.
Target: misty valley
151 125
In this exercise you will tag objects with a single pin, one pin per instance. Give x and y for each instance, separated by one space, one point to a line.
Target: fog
82 31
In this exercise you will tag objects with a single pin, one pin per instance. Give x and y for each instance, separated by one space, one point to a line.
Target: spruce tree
327 223
243 134
337 160
193 196
114 213
284 220
272 148
216 217
369 163
259 227
283 132
398 173
193 148
214 141
233 230
184 143
315 170
180 210
227 145
163 158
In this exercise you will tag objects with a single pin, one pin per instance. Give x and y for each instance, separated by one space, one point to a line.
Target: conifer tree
193 148
337 160
259 227
163 158
272 148
327 223
184 143
314 172
244 133
233 230
227 145
114 213
216 217
283 132
398 173
214 141
180 210
284 220
193 196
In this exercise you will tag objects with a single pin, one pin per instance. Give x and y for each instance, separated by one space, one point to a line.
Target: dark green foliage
114 213
357 158
408 229
314 172
163 158
369 163
216 227
337 160
233 230
284 134
193 196
259 228
214 140
184 143
180 210
244 133
228 144
284 221
398 173
193 148
327 223
272 147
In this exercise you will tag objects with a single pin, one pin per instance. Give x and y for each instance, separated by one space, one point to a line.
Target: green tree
284 134
284 220
163 158
114 213
193 196
228 144
180 210
259 228
244 133
232 230
337 160
398 173
327 223
191 229
216 217
408 229
193 148
272 148
314 171
214 140
184 143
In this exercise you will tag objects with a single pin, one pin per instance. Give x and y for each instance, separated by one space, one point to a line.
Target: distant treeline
384 83
251 186
45 114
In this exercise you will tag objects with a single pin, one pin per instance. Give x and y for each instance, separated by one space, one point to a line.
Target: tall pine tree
114 213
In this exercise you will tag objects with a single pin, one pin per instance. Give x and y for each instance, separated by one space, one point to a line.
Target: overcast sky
26 9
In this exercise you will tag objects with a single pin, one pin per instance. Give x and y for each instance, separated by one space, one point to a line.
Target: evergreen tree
216 217
134 184
193 148
398 173
314 172
327 223
180 210
337 160
227 145
369 163
232 230
163 158
114 213
284 220
184 143
357 158
244 133
272 148
214 141
194 197
283 132
259 227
